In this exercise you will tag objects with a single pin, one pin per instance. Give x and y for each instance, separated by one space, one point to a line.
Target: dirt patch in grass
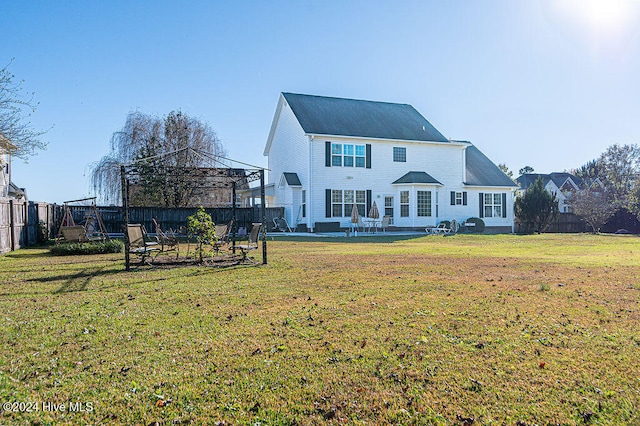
476 330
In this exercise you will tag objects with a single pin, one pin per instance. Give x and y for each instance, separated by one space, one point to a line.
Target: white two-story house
327 154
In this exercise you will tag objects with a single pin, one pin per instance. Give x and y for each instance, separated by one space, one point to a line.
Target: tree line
609 183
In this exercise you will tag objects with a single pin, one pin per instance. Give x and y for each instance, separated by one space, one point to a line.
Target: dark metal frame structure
130 174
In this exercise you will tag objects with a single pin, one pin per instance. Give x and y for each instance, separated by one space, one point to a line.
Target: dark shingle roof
321 115
292 179
483 172
417 177
559 178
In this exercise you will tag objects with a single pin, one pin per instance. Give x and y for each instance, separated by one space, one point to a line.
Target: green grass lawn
435 330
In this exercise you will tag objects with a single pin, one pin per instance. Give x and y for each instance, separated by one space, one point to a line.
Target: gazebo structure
218 177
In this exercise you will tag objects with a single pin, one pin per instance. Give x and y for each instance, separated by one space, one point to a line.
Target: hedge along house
326 154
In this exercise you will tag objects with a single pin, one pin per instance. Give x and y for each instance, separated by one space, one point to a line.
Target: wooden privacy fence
21 222
170 218
565 223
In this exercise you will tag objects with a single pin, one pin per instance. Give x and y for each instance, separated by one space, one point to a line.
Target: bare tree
619 167
157 146
595 205
15 110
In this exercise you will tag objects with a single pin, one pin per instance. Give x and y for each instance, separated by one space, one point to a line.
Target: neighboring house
327 154
213 187
563 185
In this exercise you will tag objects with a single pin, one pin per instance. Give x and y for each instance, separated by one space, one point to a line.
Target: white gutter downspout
310 193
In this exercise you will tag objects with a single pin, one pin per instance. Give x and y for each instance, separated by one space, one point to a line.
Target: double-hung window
424 203
404 203
493 204
458 198
348 155
342 202
336 154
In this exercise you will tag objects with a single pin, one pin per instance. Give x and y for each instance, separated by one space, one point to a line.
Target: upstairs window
399 154
348 155
336 155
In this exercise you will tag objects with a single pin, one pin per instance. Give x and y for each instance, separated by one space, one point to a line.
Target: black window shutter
464 198
327 155
504 204
453 198
368 158
328 202
369 201
481 205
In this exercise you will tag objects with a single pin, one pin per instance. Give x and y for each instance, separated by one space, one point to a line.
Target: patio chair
442 229
252 242
139 243
362 225
385 223
167 240
222 235
281 224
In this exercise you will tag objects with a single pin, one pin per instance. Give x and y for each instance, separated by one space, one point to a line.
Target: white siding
290 150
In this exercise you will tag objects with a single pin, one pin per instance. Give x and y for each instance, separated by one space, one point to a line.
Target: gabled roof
292 179
558 178
417 177
483 172
320 115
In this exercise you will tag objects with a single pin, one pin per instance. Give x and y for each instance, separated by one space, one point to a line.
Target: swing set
93 228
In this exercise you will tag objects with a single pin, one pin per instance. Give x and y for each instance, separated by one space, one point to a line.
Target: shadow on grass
28 255
78 281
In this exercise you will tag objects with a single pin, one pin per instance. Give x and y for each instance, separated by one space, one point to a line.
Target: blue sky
545 83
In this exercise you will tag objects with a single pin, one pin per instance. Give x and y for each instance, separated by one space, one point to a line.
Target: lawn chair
74 234
167 240
281 224
441 229
252 242
222 235
139 243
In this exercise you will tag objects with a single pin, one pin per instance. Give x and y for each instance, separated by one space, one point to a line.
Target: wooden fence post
12 225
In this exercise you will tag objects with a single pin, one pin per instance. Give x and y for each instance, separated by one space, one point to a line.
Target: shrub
536 208
479 225
42 233
446 222
201 226
100 247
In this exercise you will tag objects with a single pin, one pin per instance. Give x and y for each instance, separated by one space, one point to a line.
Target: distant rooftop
558 178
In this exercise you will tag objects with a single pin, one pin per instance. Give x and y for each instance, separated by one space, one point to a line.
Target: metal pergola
221 176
